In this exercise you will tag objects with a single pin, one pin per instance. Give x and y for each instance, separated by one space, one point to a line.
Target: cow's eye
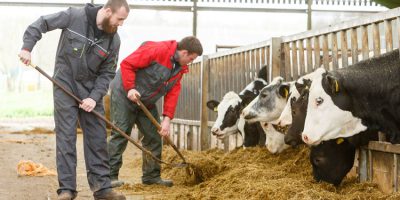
319 101
293 113
263 95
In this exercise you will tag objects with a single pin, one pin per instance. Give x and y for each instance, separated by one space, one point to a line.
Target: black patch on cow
370 90
231 116
263 73
248 95
253 135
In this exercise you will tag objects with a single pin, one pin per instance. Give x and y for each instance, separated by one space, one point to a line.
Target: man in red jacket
154 70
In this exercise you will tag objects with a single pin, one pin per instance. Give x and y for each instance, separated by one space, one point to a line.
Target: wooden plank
354 46
395 173
370 19
242 69
276 58
384 146
343 41
376 39
335 56
247 66
383 171
204 133
362 165
189 138
325 51
268 61
301 58
288 72
295 67
317 54
310 66
364 46
388 35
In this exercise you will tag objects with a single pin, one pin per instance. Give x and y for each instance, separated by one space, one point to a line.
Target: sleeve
106 74
139 59
44 24
171 100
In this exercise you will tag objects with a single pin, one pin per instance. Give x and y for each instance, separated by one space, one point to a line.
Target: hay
252 173
30 168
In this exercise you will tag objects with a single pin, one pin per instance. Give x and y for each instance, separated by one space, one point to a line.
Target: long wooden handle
155 122
98 115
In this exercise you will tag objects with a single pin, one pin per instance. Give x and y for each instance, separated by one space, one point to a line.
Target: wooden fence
289 56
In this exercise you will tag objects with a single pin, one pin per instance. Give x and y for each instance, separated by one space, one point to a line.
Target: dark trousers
66 115
124 115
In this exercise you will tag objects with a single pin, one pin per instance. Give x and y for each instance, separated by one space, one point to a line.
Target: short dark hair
191 44
116 4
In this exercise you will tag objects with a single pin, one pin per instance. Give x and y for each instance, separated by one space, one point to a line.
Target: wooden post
204 134
194 10
309 15
276 58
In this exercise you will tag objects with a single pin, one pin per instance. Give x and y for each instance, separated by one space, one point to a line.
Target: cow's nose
305 138
214 131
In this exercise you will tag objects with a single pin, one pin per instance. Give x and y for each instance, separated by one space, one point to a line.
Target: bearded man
85 64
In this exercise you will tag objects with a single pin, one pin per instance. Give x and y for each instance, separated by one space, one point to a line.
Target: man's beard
107 26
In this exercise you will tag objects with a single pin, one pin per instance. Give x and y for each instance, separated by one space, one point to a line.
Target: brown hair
116 4
191 44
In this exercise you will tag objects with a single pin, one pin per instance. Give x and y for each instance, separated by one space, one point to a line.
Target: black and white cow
333 159
266 108
345 102
285 119
268 105
228 120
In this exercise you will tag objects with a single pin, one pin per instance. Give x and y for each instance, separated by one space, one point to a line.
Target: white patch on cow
261 113
230 99
286 117
250 87
274 140
327 121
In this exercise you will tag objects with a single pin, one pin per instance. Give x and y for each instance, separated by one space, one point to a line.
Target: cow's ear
284 90
333 83
213 105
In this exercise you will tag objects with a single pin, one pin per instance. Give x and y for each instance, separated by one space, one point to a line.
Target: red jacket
161 54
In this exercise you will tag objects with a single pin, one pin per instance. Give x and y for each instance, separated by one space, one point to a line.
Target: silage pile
251 173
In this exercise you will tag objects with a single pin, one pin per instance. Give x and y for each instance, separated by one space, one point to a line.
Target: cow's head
332 160
274 139
327 111
299 111
228 114
268 105
286 117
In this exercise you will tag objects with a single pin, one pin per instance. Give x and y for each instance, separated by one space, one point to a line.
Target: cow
331 160
285 119
298 113
228 118
268 105
229 122
347 101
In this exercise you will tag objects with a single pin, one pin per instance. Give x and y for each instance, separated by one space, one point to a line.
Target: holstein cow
347 101
333 159
298 114
285 119
267 107
228 118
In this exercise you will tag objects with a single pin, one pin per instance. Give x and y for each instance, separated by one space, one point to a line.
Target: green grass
26 104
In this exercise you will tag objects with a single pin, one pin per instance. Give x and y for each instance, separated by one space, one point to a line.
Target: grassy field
26 104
